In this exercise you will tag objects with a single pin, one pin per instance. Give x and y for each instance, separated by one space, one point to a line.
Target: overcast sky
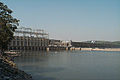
77 20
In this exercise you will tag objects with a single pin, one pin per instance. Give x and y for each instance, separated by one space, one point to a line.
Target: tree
8 24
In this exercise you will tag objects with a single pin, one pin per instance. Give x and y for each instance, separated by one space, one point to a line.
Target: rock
9 71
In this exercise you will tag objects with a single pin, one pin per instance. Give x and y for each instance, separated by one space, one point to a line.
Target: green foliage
114 44
8 24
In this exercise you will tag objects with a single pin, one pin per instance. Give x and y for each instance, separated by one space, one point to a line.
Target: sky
77 20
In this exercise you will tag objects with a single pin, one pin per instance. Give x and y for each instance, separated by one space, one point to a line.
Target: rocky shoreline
9 71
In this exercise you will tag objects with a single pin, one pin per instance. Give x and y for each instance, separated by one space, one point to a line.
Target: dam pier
27 39
35 40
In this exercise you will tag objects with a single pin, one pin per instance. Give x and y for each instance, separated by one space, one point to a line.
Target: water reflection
71 65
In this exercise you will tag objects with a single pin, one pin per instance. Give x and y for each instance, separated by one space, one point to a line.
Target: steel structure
29 39
22 31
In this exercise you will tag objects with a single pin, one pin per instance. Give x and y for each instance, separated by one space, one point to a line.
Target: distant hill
105 42
116 42
97 44
102 41
97 41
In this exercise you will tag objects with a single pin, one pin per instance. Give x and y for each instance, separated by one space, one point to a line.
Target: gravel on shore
9 71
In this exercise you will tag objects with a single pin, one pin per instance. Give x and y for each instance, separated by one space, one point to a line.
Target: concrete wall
28 43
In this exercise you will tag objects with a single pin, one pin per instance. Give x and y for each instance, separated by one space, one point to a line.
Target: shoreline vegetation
9 70
8 24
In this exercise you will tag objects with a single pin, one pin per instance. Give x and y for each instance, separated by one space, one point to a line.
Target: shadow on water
37 72
42 69
43 78
29 62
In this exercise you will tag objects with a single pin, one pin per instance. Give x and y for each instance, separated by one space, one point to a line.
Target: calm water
71 65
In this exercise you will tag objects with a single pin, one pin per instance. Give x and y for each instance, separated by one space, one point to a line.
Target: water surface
71 65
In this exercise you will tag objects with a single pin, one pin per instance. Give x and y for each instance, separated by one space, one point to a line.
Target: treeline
8 24
95 45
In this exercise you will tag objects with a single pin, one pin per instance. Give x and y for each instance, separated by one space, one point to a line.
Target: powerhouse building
29 39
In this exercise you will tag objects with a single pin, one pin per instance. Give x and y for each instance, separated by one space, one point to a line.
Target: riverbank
95 49
9 71
106 49
100 49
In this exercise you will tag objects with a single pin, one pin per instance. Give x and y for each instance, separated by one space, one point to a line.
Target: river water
71 65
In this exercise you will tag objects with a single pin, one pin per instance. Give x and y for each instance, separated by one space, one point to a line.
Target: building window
21 43
17 43
13 43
